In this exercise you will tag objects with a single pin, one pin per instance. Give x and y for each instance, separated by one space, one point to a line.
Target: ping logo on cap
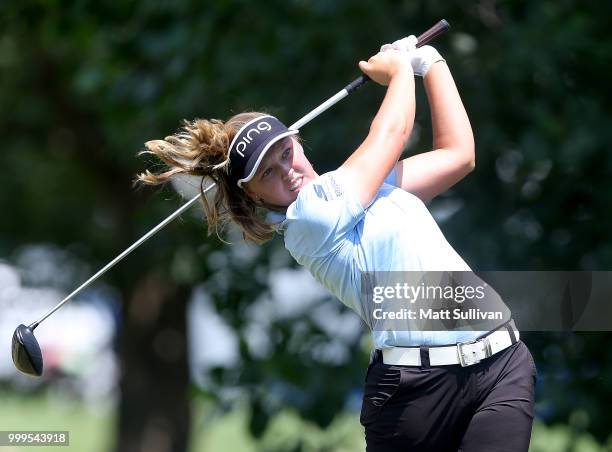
246 138
250 144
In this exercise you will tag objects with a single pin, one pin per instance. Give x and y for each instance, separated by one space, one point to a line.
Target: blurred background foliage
85 83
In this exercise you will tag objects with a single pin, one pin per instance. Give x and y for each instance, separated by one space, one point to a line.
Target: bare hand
383 66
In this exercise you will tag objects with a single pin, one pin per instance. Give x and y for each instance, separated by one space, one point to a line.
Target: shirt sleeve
324 213
391 178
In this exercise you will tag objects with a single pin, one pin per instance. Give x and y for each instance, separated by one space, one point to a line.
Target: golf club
26 352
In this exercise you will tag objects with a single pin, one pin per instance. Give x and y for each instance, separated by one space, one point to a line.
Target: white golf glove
408 43
424 58
421 59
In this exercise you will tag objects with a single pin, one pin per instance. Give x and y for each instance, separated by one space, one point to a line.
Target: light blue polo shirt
327 231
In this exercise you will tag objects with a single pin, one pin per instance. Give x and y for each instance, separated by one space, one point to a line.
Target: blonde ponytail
201 148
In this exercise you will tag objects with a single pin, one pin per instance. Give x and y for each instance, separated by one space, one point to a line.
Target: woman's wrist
434 66
403 69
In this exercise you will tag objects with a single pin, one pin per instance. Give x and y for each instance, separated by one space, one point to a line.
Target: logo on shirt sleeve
328 189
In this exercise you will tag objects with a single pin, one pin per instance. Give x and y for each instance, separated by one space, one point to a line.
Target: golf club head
26 351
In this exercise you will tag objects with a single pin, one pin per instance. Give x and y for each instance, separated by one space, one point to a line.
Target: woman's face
281 175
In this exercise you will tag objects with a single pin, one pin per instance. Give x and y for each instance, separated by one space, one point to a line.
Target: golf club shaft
424 38
112 263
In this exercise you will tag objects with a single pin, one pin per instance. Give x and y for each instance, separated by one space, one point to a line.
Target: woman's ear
251 194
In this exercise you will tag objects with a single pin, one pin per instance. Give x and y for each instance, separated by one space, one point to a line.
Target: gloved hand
408 43
421 59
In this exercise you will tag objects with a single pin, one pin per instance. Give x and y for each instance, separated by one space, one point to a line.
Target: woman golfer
424 391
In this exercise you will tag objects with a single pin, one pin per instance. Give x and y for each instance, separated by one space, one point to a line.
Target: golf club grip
441 27
435 31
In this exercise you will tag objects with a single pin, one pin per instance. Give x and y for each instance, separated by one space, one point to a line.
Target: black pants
484 407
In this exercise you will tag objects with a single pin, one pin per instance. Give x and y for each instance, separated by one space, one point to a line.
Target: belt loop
372 357
424 350
511 332
377 356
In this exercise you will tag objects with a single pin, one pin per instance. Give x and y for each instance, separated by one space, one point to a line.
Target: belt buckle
468 360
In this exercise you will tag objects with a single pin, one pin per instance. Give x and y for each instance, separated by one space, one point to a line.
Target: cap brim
257 157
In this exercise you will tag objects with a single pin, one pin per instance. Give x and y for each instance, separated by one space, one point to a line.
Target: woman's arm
428 174
368 166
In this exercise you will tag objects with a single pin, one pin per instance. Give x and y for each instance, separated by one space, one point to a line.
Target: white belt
464 353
